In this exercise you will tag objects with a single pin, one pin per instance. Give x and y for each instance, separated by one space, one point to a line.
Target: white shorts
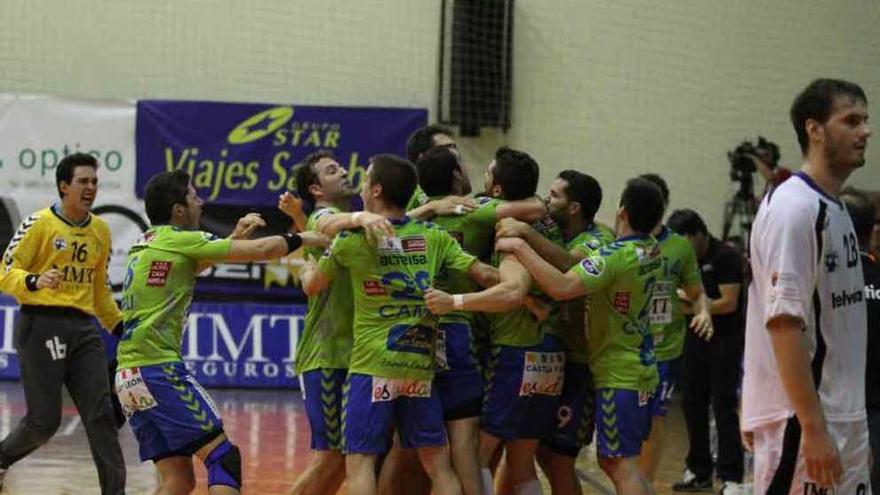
779 462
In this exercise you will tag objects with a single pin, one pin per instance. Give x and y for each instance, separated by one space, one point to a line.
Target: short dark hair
643 203
164 190
516 172
861 211
65 168
660 183
305 174
584 189
423 139
396 175
687 222
436 170
816 102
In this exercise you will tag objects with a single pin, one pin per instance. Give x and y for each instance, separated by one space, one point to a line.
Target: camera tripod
739 214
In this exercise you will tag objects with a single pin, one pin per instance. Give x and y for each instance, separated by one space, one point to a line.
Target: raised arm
272 247
450 205
373 224
558 285
507 295
291 206
555 254
527 210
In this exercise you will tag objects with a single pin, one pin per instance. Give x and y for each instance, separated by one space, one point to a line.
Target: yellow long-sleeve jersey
80 253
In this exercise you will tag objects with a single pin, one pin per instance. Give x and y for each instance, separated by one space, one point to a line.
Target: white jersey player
806 330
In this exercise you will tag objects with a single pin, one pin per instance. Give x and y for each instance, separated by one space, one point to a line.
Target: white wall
614 88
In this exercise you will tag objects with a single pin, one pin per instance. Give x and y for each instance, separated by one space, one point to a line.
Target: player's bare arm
558 285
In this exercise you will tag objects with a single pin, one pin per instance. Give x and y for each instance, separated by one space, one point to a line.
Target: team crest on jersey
390 245
593 266
158 275
60 243
416 244
374 288
831 261
621 302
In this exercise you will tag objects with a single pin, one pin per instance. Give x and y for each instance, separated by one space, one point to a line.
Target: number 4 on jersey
57 349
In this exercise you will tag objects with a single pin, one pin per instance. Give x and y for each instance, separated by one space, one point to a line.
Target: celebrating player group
458 342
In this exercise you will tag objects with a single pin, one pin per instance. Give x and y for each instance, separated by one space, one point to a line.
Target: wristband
30 281
294 241
458 302
355 215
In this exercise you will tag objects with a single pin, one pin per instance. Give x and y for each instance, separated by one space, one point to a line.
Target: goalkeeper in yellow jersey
56 267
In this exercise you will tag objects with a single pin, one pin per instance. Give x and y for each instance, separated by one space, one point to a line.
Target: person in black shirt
711 369
861 210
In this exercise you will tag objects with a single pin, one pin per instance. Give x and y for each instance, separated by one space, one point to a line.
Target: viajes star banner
244 153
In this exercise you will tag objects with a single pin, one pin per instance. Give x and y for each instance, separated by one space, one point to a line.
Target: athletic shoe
690 483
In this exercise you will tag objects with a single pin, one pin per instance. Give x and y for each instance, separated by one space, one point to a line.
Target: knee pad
224 466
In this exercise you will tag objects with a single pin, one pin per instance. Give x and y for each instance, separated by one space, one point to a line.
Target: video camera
742 163
742 158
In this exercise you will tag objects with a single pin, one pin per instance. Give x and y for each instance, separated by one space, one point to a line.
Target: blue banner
233 345
243 154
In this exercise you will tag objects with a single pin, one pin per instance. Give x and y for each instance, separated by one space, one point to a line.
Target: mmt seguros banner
224 344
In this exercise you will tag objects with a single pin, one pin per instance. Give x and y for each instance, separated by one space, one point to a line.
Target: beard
841 157
560 218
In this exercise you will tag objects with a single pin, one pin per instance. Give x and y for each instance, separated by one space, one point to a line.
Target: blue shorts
623 422
575 420
461 393
668 372
522 390
373 407
322 394
459 380
170 413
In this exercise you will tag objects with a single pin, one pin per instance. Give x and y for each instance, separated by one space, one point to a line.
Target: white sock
488 485
531 487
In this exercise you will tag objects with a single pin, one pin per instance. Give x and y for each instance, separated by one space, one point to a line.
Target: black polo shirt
723 265
871 269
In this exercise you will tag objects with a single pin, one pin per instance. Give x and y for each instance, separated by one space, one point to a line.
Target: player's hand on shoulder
376 226
49 280
511 227
438 302
453 205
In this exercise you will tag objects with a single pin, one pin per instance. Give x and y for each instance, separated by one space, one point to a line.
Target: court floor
270 428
